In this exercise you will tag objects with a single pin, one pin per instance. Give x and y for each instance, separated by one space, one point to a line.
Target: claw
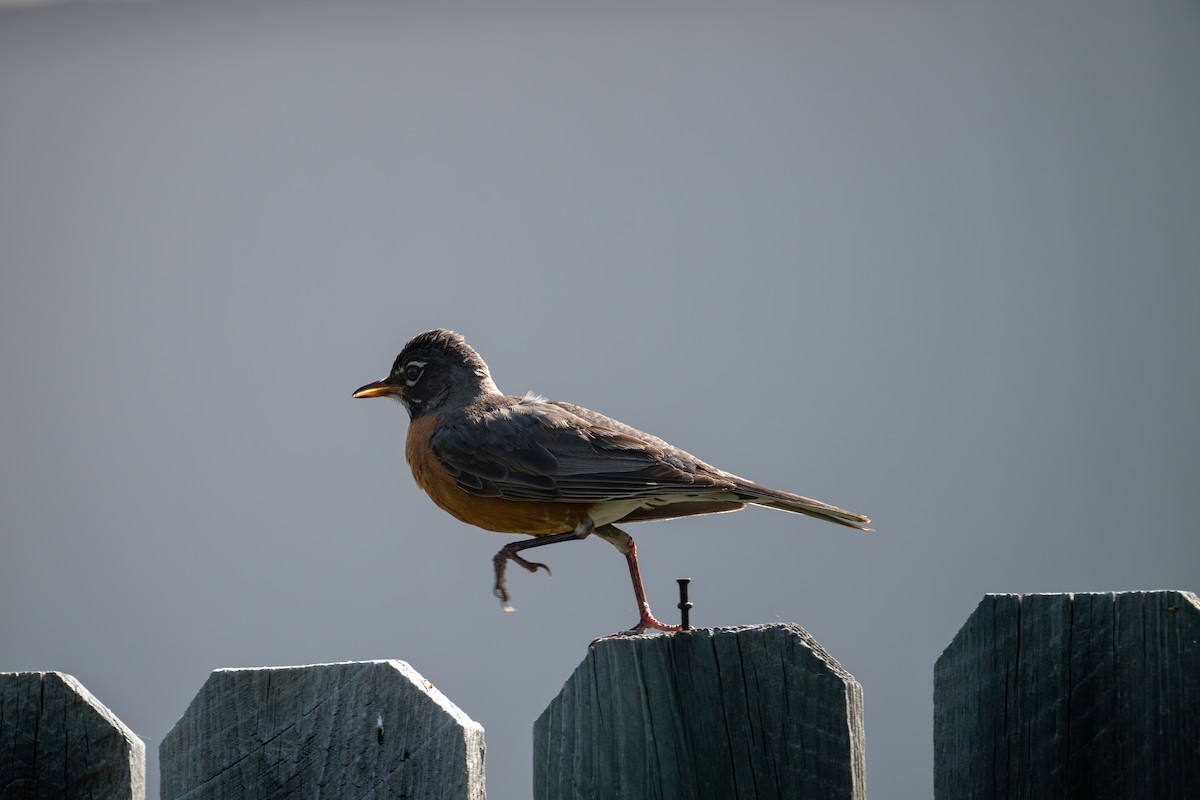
647 622
501 562
532 566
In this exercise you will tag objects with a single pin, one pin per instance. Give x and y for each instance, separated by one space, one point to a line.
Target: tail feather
785 501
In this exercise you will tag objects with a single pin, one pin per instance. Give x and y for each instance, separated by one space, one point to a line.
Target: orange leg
609 533
624 542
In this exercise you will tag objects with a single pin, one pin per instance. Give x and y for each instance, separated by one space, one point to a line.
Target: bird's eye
412 371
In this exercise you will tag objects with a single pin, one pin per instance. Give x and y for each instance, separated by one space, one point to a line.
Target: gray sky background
934 262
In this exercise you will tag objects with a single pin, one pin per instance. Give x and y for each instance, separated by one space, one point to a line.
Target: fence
1065 695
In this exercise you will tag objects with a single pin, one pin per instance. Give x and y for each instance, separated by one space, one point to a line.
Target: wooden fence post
1071 696
730 713
371 729
58 741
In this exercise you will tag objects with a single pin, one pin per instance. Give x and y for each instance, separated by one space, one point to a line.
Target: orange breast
491 513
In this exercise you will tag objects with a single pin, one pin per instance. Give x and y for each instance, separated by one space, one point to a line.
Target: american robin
553 470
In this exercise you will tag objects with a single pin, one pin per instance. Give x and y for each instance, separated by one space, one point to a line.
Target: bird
551 470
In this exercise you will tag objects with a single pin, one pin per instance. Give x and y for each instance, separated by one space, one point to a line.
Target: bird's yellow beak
377 389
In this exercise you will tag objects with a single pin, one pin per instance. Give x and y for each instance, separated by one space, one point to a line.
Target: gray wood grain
731 713
356 730
58 742
1071 696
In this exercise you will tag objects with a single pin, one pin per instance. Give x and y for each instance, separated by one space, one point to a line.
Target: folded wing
533 449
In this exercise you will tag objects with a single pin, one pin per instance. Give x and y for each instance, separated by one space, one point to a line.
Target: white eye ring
413 371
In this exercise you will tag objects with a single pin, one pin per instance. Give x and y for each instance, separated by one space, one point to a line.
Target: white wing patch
609 511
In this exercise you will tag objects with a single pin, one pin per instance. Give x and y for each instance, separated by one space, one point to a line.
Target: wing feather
530 449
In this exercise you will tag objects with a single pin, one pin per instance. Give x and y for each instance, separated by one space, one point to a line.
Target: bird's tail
785 501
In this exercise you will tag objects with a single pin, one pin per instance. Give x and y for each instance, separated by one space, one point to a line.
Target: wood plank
1092 695
733 713
364 730
58 741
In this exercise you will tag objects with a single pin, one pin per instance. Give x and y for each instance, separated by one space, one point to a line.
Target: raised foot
500 562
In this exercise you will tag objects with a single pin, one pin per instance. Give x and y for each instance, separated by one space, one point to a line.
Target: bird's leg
624 543
509 553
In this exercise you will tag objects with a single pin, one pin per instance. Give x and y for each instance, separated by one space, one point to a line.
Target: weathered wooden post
58 742
370 729
1071 696
728 713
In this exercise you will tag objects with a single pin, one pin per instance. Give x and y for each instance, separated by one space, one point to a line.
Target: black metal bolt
685 607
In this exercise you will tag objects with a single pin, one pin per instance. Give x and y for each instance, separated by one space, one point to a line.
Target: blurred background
933 262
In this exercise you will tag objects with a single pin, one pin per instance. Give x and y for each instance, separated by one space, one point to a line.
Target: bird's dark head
435 368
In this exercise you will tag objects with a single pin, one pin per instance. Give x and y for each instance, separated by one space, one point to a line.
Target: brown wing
530 449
